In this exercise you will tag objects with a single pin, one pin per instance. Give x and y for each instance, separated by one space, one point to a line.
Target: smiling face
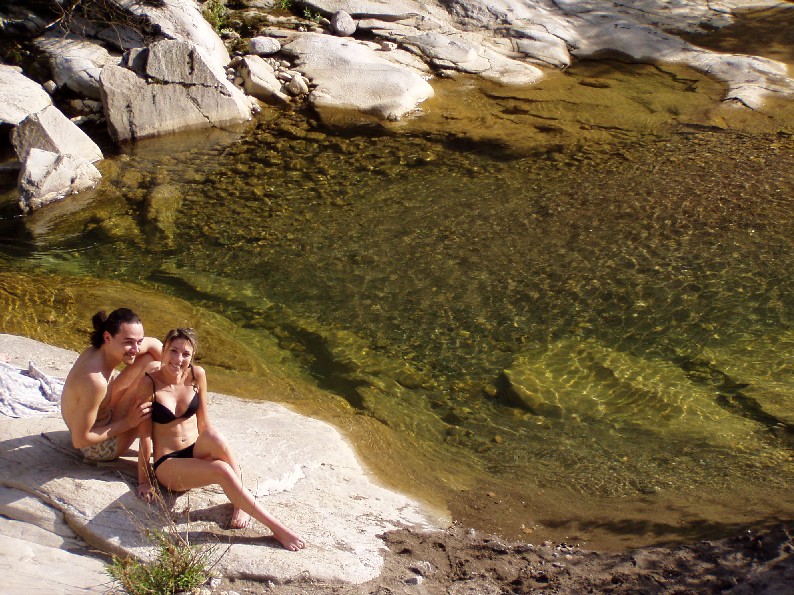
177 355
125 345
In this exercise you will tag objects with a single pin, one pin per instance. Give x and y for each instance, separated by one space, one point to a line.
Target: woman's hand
145 491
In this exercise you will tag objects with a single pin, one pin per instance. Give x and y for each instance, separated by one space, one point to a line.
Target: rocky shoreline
63 519
152 68
458 561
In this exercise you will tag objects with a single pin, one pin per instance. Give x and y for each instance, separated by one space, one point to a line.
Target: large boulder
50 130
19 96
343 24
75 63
128 24
180 20
168 87
350 75
300 469
47 177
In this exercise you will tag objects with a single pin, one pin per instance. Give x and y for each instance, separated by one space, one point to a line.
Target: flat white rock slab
300 469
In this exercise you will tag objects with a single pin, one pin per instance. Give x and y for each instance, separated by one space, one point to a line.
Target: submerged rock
586 380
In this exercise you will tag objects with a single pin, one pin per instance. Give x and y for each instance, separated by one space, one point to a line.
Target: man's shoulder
86 374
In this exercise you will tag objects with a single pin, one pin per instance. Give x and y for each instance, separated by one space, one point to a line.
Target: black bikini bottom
185 453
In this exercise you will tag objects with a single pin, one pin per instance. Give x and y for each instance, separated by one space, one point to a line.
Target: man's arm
151 350
153 347
82 423
83 427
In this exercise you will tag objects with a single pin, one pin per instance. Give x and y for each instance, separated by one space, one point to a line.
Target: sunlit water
580 328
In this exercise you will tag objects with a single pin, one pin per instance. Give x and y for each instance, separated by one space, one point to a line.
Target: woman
188 451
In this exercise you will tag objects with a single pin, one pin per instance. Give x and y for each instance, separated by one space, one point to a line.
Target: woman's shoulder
198 372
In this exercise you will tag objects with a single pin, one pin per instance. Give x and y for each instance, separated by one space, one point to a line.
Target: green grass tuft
215 13
179 566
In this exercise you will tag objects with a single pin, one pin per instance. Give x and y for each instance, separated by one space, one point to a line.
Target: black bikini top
163 415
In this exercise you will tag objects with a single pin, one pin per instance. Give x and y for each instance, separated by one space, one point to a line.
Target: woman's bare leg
213 446
184 474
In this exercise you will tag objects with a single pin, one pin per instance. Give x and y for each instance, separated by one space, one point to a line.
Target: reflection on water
604 322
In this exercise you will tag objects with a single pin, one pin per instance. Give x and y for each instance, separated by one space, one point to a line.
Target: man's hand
140 410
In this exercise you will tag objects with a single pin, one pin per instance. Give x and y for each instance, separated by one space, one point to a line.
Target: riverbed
558 312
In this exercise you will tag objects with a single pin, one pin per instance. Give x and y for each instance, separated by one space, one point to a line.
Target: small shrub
311 16
179 565
215 13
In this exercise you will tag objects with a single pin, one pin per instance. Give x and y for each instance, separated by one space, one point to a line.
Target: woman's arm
202 415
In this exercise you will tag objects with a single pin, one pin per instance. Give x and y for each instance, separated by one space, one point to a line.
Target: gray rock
263 46
342 24
491 39
349 75
76 63
423 568
297 85
749 78
50 130
290 462
538 45
465 55
19 96
259 80
43 565
179 20
47 177
178 88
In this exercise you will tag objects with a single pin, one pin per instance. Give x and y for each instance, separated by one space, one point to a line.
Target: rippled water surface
580 329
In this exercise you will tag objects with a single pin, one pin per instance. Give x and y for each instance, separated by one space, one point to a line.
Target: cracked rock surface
170 86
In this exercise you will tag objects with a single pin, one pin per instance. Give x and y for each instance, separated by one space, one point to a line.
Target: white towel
28 393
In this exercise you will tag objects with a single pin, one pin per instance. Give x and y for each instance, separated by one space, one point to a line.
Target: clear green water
582 328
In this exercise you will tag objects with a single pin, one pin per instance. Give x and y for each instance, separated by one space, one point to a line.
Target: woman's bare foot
288 539
240 519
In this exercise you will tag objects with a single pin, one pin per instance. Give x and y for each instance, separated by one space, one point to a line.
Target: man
99 409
